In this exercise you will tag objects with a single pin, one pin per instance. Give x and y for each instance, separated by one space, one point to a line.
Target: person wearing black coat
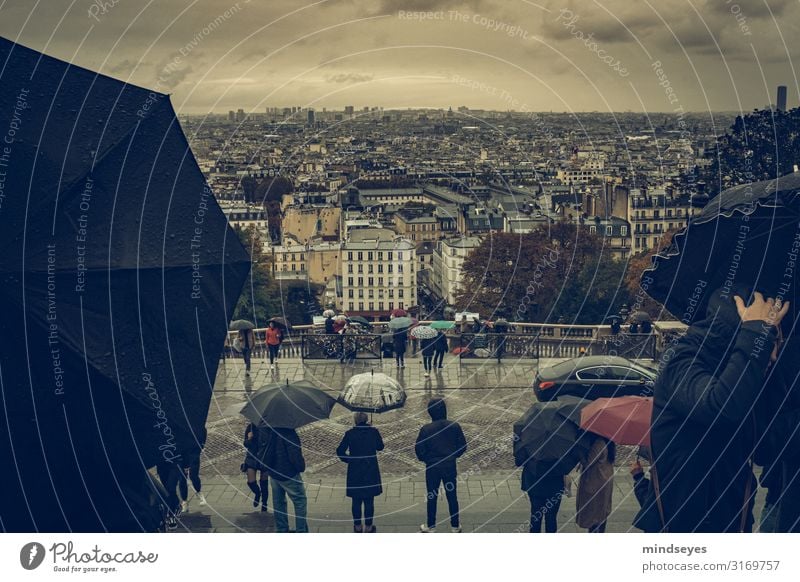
281 453
329 326
543 481
428 347
439 444
439 350
252 466
191 470
400 343
359 448
705 414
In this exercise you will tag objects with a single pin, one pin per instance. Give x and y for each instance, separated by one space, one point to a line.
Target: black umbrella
118 277
640 317
744 236
242 324
549 431
288 405
360 320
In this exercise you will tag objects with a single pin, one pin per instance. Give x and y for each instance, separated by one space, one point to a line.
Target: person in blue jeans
282 454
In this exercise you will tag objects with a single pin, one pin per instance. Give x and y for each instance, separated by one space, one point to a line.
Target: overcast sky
559 55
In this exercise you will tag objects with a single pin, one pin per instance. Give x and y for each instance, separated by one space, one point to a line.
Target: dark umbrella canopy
360 320
118 277
549 431
280 322
242 324
744 236
289 405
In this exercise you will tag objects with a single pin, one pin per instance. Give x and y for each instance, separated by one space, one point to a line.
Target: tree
523 276
260 298
637 265
761 145
596 292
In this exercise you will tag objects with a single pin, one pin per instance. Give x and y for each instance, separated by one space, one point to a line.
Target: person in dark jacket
439 444
428 347
704 413
252 466
359 448
543 481
329 326
400 343
439 350
281 453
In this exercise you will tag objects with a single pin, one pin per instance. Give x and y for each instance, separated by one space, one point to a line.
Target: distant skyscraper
311 117
240 115
231 116
781 104
348 110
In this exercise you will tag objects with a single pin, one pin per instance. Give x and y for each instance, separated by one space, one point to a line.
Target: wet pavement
485 397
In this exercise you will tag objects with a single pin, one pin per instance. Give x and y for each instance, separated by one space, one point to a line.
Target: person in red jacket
274 339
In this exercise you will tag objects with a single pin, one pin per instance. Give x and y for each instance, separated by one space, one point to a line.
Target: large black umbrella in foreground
288 405
548 431
118 276
748 235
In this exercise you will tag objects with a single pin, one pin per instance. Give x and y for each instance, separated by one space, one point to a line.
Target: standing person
274 339
281 452
169 473
252 466
329 325
191 471
439 350
428 347
596 485
543 481
501 329
708 401
400 343
247 340
439 444
359 449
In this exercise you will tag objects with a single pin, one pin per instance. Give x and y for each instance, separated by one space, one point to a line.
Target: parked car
594 377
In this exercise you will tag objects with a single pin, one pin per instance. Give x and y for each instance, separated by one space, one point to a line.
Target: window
371 306
361 294
351 306
361 306
350 268
391 305
371 294
369 268
390 268
390 255
285 267
380 267
400 268
349 281
592 229
370 281
399 281
400 255
600 373
609 230
400 293
380 255
391 293
361 281
350 258
623 230
360 256
380 305
380 293
350 293
302 256
293 259
380 281
369 256
360 268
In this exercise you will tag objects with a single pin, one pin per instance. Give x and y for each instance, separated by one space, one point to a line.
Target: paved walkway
485 397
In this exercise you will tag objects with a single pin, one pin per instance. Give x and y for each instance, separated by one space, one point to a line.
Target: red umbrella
399 313
625 419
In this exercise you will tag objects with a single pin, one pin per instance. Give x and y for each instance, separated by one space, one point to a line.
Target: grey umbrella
372 392
400 323
241 324
289 405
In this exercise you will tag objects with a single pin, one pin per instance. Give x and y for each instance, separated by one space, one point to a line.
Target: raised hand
770 311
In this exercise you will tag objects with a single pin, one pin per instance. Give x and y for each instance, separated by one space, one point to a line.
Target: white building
378 274
448 263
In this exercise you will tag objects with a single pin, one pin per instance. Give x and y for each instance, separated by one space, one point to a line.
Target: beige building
447 264
289 261
652 213
417 227
324 261
305 222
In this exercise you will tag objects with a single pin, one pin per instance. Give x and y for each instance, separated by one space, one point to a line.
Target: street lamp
624 312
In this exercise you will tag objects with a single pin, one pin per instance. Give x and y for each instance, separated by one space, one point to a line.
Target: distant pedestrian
400 344
428 348
281 453
439 350
339 324
359 449
247 341
191 471
274 339
596 486
329 325
252 466
501 329
543 481
439 444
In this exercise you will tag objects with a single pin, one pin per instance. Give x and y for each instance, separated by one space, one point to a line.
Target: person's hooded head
437 409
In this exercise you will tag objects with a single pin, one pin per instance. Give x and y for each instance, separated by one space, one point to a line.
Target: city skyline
217 55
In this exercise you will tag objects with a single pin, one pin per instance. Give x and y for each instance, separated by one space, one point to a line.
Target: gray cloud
349 78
